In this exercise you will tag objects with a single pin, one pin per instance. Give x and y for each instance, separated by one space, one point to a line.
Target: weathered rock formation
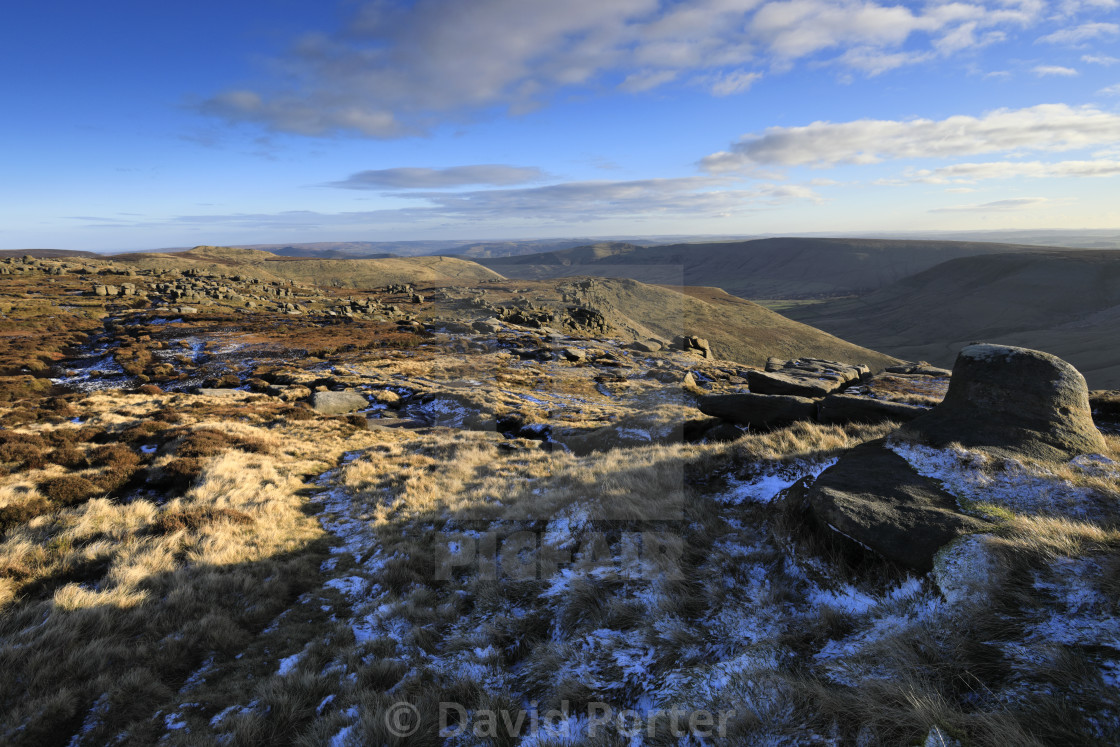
759 410
1014 402
1011 402
873 497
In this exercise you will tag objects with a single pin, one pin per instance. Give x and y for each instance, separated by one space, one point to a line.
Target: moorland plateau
252 499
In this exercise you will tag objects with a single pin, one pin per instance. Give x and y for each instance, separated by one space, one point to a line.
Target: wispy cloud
1044 71
1018 203
1081 34
972 172
427 178
566 203
395 69
1047 127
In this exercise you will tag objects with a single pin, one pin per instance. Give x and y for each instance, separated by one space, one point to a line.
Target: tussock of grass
67 490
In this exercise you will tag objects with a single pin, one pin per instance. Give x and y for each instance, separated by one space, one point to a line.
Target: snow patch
763 488
976 477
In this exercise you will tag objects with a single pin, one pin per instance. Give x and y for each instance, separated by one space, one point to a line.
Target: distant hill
763 268
356 249
496 249
46 253
737 329
343 273
1066 302
388 249
296 251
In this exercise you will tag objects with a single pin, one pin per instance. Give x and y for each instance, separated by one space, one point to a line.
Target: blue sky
133 125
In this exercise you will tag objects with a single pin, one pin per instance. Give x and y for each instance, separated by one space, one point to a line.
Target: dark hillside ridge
778 268
1064 302
41 253
467 249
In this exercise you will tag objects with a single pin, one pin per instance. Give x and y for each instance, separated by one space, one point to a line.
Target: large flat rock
759 410
873 497
338 403
780 382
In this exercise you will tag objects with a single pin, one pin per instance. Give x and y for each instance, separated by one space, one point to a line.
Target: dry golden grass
194 570
142 592
910 390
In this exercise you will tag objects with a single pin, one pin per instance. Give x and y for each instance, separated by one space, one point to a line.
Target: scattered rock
489 326
338 403
647 346
804 377
692 344
575 355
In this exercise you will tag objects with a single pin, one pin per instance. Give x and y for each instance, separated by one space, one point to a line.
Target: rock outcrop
780 382
692 344
1013 402
338 403
873 497
759 410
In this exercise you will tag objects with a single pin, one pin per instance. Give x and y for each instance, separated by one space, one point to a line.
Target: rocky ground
248 511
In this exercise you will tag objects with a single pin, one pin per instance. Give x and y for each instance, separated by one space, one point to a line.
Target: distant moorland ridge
344 273
1066 302
786 268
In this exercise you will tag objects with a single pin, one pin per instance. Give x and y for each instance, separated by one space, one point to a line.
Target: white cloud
1043 71
1081 34
971 172
732 82
647 80
1047 127
1018 203
593 200
426 178
567 203
1113 90
1076 7
400 68
1099 59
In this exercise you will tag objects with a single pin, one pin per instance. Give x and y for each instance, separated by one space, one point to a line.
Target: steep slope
737 329
344 273
763 268
1064 302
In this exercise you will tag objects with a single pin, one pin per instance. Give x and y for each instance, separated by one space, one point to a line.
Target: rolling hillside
343 273
1064 302
762 269
737 329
